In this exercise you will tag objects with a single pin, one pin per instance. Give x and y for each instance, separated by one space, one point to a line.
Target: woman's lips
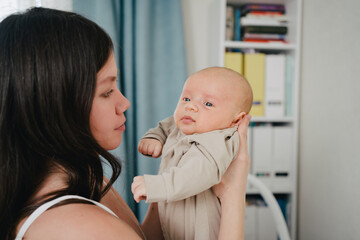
121 128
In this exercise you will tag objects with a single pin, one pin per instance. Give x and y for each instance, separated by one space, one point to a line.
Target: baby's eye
208 104
108 93
185 99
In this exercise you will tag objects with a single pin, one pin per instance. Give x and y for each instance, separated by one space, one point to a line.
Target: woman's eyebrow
109 78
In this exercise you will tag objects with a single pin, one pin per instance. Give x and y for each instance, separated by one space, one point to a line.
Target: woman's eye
208 104
108 93
186 99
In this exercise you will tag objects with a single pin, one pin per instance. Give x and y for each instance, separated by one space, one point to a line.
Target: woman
60 110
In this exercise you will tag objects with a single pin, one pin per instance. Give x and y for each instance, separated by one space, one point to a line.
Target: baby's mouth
187 119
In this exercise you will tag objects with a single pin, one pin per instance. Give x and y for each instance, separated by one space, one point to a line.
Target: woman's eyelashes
108 93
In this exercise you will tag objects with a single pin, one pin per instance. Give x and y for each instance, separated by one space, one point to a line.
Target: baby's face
207 103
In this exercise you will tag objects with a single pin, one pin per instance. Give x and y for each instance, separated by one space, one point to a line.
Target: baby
197 145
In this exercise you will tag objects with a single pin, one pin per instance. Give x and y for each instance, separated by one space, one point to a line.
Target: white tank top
49 204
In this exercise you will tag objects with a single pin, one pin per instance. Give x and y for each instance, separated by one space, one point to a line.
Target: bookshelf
284 129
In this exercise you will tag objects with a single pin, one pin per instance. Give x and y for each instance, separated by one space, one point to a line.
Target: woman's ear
237 118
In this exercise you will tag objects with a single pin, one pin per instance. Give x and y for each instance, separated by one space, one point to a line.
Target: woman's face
107 120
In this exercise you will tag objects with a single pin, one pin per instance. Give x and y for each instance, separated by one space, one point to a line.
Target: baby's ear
237 118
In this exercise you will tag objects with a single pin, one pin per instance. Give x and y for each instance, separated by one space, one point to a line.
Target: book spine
263 7
263 40
229 33
264 36
237 18
265 29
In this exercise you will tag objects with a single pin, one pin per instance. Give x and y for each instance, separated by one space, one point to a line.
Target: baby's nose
191 107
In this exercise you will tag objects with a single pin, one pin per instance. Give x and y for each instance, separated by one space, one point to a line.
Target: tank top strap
41 209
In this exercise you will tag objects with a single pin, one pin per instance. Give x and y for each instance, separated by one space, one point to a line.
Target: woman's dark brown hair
48 65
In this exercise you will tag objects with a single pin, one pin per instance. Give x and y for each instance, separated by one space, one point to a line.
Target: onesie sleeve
162 130
201 167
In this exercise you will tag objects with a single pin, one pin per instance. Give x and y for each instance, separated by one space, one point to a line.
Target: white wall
196 30
329 184
329 144
8 7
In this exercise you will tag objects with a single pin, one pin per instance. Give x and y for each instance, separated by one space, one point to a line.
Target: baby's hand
150 147
138 188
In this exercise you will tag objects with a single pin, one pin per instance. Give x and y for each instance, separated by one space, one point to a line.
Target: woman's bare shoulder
79 221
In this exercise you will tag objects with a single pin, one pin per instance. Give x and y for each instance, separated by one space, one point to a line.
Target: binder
289 80
250 144
282 157
254 72
249 140
234 61
262 153
250 227
272 160
266 224
275 85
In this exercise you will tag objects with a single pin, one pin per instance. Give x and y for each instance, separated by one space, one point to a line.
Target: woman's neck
55 181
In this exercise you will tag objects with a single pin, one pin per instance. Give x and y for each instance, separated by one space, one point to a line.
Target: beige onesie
190 166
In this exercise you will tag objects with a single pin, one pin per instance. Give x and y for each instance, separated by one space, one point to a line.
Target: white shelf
281 191
254 45
270 120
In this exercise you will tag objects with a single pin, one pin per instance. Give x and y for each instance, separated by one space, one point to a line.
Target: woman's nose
122 104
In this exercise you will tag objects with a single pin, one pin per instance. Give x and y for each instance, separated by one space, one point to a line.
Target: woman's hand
232 189
234 180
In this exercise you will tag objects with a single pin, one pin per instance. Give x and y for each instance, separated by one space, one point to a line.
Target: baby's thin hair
247 99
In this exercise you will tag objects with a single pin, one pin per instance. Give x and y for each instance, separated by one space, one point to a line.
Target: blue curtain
149 45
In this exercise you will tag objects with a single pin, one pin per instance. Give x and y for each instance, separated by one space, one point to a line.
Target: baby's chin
190 131
186 131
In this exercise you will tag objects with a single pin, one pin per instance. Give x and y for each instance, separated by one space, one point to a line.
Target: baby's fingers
157 150
142 147
136 182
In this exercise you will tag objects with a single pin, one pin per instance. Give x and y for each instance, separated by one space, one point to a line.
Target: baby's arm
138 188
209 154
152 142
150 147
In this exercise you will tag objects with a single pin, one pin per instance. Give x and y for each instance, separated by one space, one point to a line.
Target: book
229 32
267 36
237 25
263 40
272 13
264 20
265 29
234 61
246 8
254 72
275 85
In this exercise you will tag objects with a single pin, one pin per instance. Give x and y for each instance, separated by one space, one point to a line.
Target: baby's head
212 99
